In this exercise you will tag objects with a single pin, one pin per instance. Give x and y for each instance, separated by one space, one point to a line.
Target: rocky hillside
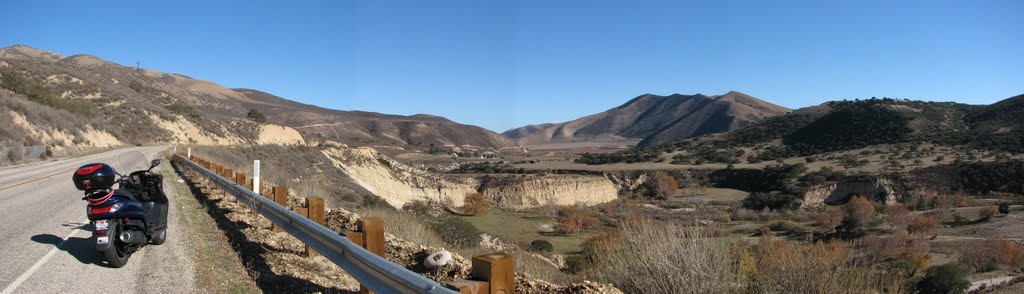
84 100
655 119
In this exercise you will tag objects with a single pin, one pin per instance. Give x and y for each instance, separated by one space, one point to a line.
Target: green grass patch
522 228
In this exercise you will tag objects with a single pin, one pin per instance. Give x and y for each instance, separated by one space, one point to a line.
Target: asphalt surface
47 244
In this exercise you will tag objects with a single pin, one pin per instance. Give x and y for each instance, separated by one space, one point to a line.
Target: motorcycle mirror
154 163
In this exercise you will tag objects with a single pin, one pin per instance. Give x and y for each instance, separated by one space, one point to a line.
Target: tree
256 116
986 213
476 204
946 278
859 212
897 215
664 185
922 225
1004 208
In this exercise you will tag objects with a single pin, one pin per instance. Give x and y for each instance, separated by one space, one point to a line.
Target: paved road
47 246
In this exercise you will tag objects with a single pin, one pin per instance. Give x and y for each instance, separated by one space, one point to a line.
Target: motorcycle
127 218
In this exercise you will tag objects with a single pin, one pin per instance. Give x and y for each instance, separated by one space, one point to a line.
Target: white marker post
256 176
189 152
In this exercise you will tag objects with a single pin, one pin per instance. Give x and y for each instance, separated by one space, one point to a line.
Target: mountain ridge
181 109
654 119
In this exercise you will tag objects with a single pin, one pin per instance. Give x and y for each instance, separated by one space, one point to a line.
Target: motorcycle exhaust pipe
133 237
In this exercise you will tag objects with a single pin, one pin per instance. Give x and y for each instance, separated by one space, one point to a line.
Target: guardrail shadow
251 253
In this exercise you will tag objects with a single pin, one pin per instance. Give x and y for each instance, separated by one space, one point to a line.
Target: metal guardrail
375 272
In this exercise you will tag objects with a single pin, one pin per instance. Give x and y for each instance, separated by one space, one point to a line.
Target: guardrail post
281 197
369 234
240 179
315 206
491 273
498 269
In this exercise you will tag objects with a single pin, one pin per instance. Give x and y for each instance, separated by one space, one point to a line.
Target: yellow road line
37 179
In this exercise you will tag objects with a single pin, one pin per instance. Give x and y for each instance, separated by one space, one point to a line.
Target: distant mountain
655 119
85 100
848 125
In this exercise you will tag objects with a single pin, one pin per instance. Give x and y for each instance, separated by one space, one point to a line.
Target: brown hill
141 106
654 119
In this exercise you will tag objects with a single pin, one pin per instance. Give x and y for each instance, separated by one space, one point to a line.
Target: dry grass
658 257
407 226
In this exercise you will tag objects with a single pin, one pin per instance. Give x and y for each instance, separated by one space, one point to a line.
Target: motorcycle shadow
82 249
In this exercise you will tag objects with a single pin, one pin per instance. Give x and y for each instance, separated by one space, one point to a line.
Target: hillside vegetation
850 125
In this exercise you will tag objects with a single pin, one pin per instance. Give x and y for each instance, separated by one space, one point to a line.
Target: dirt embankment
399 184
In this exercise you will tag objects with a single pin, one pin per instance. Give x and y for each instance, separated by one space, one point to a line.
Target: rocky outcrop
395 182
878 190
399 184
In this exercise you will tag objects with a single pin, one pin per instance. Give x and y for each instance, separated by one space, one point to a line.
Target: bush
1004 208
829 219
541 246
665 185
858 214
947 278
256 116
922 225
418 207
667 255
476 204
457 231
572 220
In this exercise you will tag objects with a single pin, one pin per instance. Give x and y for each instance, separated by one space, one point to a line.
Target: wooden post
369 235
240 179
315 206
498 269
304 212
281 197
229 173
373 230
469 286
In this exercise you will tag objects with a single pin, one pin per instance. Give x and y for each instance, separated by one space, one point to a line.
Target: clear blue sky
503 64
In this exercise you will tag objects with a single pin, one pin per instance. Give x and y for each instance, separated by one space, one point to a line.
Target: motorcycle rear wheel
117 253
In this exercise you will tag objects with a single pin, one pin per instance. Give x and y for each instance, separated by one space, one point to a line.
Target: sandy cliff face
879 190
399 184
533 191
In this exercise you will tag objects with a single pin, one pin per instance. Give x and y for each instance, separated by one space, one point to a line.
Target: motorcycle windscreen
131 161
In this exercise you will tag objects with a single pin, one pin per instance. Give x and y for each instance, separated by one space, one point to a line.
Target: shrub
572 220
418 207
457 231
1004 208
780 267
858 214
541 246
666 185
947 278
986 213
897 215
668 255
476 204
829 219
256 116
922 225
987 255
